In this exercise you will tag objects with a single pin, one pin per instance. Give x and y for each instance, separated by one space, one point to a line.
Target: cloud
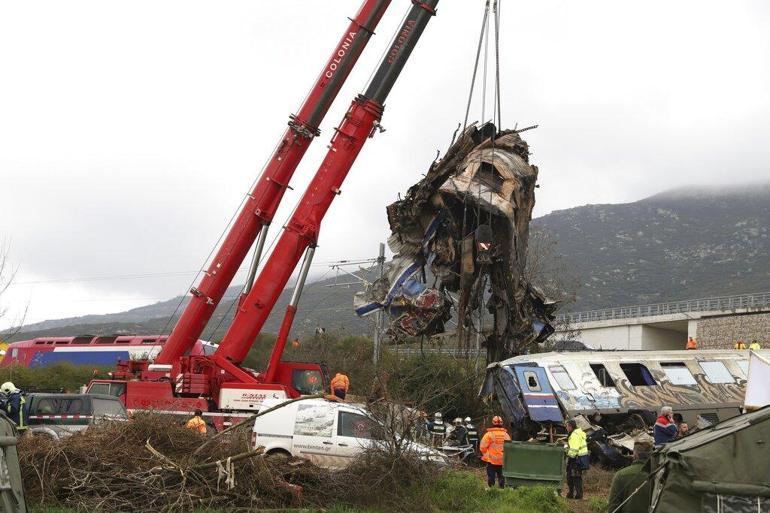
128 134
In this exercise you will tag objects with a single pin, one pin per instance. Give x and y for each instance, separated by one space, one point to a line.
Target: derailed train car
619 390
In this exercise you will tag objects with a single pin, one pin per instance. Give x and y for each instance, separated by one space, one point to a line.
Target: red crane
217 383
258 211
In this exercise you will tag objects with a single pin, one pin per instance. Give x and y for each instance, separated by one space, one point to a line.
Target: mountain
681 244
327 303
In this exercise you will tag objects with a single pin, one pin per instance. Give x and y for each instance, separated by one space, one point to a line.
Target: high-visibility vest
577 444
198 424
492 445
740 345
437 428
692 344
473 433
340 382
755 346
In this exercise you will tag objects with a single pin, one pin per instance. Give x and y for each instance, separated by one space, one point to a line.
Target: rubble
460 242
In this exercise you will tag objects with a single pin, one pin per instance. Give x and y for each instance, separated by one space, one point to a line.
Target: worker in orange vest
340 384
295 343
740 345
691 343
197 423
491 448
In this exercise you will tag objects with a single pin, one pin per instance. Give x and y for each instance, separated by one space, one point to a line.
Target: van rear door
537 394
314 432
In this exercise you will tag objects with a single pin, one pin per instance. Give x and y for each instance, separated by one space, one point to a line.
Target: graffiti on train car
616 383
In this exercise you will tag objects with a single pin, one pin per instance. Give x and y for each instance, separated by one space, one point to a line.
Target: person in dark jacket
665 429
630 486
13 401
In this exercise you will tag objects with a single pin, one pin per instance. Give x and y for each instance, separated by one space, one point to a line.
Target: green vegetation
453 492
61 376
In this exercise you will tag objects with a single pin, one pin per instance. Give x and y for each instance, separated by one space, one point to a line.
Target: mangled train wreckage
460 242
617 391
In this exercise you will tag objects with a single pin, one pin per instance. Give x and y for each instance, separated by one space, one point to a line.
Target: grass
465 492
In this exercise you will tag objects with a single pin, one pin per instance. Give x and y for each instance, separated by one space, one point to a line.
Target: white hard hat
7 387
457 420
468 420
437 415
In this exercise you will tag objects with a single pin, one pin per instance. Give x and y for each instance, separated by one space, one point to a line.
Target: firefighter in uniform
12 401
472 433
492 451
577 459
437 429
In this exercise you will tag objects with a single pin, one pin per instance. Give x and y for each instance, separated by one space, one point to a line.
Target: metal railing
759 301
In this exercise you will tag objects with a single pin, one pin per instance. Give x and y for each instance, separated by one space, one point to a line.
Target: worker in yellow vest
577 459
755 345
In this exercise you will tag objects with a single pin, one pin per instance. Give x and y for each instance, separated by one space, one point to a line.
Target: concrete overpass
714 322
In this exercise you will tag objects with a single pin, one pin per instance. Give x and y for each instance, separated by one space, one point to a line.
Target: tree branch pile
149 464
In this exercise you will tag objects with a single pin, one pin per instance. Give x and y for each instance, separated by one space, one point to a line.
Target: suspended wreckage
460 241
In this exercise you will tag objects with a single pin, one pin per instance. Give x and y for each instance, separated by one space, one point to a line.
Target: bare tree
7 275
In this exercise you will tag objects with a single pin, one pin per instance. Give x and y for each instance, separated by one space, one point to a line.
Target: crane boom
262 202
301 232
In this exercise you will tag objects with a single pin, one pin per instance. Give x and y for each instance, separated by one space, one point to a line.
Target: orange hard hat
497 420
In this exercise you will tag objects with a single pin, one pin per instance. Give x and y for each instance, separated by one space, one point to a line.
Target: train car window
717 373
744 365
638 375
562 378
678 373
602 375
532 383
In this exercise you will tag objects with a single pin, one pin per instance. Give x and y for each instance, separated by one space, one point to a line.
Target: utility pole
378 314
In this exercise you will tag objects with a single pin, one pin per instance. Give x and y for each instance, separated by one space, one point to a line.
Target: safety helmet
458 421
467 420
7 387
437 415
497 420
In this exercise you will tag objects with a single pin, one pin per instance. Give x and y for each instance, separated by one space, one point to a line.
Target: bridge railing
711 304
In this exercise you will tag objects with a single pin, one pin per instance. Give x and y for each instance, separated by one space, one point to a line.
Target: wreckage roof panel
605 356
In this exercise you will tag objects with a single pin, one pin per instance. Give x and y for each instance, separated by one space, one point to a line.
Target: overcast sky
130 131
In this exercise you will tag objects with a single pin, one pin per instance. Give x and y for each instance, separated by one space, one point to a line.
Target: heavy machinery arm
301 232
262 203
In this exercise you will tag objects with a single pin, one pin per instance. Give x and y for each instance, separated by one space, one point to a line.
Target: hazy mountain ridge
666 247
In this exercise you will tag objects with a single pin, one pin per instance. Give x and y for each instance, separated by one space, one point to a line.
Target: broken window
489 176
717 373
678 373
559 373
532 383
602 375
638 375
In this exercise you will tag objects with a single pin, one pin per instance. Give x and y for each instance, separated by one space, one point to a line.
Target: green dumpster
11 492
532 464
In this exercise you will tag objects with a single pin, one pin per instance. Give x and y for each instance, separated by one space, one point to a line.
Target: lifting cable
483 41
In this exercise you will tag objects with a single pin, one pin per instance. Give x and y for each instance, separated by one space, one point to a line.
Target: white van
328 433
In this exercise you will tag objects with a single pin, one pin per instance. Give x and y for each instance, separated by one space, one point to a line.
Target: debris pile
460 242
150 464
